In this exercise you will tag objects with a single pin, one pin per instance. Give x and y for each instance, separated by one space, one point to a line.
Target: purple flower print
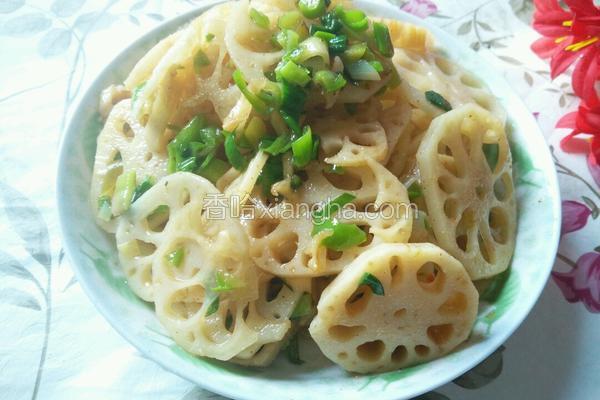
582 283
574 216
420 8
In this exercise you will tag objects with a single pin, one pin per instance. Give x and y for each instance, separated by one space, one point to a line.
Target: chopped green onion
253 99
303 306
135 93
292 99
271 173
255 131
175 257
142 188
338 44
383 40
213 307
490 150
361 70
293 73
302 149
355 20
335 169
415 191
213 170
331 23
333 206
344 236
315 149
355 52
323 35
278 146
124 188
235 158
271 94
377 65
200 61
291 122
187 165
437 100
312 9
312 47
296 182
209 37
104 209
288 39
374 283
329 81
292 351
259 18
289 20
225 282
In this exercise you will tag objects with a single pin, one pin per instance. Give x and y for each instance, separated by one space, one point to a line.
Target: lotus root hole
451 208
454 305
127 131
261 227
462 241
440 334
146 249
157 219
229 321
445 66
274 287
431 277
399 354
503 187
498 222
344 182
334 254
187 301
359 300
422 350
370 351
366 229
284 249
400 313
344 333
484 250
445 184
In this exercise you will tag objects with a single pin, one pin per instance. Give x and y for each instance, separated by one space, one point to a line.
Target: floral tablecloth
53 342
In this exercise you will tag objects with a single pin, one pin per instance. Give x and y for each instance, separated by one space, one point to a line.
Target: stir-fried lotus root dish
280 166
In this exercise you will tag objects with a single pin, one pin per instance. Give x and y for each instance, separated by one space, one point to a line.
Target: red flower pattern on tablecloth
574 216
571 36
420 8
582 283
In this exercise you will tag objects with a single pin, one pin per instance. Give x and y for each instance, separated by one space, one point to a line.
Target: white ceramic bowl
94 257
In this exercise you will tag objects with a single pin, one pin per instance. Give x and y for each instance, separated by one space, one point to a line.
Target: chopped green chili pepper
415 191
293 73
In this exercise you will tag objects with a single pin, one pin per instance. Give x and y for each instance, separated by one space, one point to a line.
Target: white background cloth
53 342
